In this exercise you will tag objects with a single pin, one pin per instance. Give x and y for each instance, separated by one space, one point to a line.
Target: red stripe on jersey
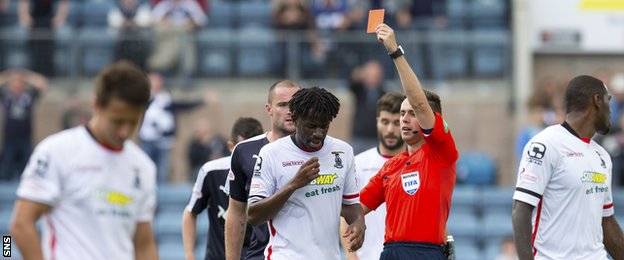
608 206
348 197
585 140
52 239
273 231
537 218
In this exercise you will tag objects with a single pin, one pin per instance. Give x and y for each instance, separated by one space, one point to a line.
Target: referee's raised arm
411 85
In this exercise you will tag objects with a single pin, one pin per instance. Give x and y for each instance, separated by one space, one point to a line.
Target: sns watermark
6 246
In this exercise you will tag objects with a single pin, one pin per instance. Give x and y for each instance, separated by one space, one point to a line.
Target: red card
375 17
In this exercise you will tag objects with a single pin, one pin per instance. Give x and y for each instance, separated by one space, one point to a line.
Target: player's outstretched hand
355 235
385 34
306 173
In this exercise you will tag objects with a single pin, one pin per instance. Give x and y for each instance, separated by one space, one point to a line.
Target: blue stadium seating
221 14
496 226
96 49
15 49
463 226
254 13
476 168
464 200
497 200
168 226
64 55
173 198
448 54
489 55
172 250
467 251
215 52
94 13
255 51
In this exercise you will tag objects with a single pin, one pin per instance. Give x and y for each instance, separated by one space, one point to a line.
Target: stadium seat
618 202
254 13
221 14
94 13
489 58
255 52
168 226
96 49
497 200
464 200
496 226
455 8
63 54
487 8
173 198
476 168
15 46
467 251
172 250
463 226
215 52
448 54
8 195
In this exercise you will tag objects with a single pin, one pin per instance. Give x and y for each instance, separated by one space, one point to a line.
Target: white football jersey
97 195
367 164
569 183
307 226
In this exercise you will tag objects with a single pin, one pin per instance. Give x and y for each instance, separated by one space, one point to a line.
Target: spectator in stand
175 23
19 91
329 16
38 17
130 19
534 122
367 87
205 145
203 3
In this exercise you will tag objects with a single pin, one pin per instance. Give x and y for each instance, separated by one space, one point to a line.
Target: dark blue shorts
411 251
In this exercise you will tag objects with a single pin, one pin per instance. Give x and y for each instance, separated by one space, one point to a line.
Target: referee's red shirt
420 216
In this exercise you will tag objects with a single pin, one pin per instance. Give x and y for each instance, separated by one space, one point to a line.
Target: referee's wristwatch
398 53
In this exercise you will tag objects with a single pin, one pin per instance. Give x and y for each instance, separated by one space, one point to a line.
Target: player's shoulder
138 155
372 152
550 135
69 139
252 144
222 163
336 143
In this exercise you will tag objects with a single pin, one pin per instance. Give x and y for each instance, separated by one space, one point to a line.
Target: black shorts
411 251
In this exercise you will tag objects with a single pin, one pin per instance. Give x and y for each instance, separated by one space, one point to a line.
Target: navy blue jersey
242 168
208 193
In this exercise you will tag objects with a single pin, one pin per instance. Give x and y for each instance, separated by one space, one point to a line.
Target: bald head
285 83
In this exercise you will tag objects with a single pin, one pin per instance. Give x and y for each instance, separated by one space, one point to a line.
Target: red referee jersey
417 189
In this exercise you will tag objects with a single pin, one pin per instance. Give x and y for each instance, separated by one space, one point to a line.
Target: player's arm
262 210
23 228
189 230
613 237
144 243
344 241
235 227
521 220
354 233
411 85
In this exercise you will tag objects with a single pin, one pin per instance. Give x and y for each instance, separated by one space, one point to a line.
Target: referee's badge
411 182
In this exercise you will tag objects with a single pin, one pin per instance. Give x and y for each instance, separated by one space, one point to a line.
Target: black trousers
411 251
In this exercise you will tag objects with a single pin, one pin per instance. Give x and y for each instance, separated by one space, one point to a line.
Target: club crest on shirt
602 162
338 160
410 182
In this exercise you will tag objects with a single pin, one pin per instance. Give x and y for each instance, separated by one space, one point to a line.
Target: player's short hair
246 127
390 102
580 91
321 102
434 101
281 83
125 81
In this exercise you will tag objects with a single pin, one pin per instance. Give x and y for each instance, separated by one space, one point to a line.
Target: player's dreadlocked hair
314 101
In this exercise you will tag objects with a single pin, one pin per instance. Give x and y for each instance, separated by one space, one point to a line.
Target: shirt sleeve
200 194
237 179
373 194
148 202
351 194
41 179
608 208
441 139
263 182
537 165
